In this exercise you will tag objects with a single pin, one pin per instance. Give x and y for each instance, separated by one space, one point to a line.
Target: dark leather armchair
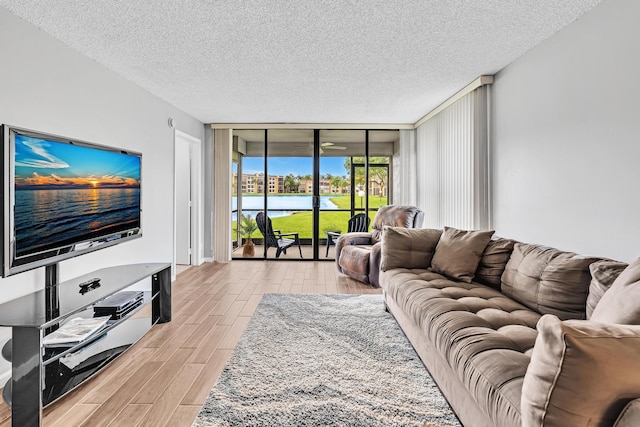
358 254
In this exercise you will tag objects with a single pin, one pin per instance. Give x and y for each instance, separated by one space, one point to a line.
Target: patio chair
275 239
357 223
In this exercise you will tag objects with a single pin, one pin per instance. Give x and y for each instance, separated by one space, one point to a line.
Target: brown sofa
518 334
358 254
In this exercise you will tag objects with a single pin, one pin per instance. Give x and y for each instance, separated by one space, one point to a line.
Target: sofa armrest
374 264
359 238
630 416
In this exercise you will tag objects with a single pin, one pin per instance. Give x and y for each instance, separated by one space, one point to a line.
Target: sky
294 165
46 164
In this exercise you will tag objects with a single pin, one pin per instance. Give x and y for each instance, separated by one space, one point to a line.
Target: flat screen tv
64 197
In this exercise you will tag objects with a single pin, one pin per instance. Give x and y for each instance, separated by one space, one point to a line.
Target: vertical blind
405 185
452 170
222 143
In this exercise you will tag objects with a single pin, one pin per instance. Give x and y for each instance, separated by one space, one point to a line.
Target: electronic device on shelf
89 285
119 305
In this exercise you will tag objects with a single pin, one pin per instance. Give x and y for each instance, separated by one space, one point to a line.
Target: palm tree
247 226
337 182
291 183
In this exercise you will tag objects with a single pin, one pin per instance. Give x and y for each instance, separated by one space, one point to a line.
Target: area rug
320 360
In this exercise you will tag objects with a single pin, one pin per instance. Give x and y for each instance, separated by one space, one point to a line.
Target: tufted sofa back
548 280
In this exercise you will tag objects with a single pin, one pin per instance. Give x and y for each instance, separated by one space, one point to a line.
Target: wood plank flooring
292 252
164 379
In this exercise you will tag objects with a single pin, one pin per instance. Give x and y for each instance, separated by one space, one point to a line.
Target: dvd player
118 304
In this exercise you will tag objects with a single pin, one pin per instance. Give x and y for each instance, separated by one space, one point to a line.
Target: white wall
566 138
47 86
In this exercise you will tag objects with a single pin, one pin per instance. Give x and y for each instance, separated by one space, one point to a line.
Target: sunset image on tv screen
68 193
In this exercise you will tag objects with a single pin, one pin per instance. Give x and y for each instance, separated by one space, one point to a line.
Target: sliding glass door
289 201
338 184
296 189
248 191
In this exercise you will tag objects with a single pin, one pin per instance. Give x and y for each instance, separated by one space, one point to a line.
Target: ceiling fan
329 146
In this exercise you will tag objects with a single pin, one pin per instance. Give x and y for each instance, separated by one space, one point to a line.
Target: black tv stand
41 375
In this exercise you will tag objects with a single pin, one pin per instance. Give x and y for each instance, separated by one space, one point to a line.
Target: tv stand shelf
41 375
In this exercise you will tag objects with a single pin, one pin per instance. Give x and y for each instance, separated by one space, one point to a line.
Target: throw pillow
458 253
620 303
493 261
603 274
581 373
548 280
408 247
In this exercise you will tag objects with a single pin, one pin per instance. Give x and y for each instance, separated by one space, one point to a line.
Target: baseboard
207 260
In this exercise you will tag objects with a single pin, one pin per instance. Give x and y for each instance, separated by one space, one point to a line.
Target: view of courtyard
290 199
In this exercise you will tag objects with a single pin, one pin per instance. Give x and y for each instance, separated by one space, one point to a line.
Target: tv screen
64 197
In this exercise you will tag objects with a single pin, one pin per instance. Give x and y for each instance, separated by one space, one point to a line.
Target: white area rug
319 360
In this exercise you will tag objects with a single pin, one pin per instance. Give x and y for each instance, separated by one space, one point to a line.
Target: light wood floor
292 252
164 379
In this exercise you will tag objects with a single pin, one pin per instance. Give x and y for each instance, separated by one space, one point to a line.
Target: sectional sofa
517 334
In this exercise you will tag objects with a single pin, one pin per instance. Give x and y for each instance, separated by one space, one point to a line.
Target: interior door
182 201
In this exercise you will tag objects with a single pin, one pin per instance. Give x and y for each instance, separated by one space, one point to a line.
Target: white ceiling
302 61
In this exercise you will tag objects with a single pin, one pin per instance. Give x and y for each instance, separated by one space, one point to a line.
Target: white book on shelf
75 331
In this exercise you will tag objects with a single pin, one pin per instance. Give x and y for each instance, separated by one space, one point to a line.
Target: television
63 197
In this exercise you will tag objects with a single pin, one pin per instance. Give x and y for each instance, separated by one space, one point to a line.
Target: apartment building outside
254 184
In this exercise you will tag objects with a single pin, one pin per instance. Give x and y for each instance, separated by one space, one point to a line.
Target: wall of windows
308 182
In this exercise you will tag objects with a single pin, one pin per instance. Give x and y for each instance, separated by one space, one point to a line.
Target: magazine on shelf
75 331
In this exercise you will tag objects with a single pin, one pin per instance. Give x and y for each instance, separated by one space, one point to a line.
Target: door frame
197 196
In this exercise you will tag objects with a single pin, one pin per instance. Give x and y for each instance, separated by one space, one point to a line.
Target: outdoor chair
275 239
357 223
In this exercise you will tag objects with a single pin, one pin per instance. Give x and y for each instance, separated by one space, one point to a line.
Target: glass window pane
338 202
290 192
248 197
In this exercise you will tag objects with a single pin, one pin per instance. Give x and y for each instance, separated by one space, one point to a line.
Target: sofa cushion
620 303
493 261
571 357
548 281
603 274
354 261
408 247
485 337
394 216
458 253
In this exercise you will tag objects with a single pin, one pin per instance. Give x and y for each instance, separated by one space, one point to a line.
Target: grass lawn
301 222
344 202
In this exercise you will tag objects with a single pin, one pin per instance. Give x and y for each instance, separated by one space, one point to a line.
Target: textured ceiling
310 61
